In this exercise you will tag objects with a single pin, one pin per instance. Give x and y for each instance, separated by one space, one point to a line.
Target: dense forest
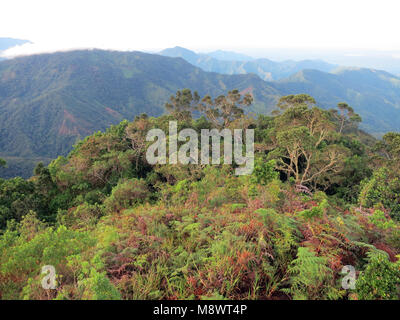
323 195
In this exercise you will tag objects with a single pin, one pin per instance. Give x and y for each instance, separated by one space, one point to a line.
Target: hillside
233 63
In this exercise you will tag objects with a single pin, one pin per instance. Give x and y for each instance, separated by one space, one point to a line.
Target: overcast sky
201 25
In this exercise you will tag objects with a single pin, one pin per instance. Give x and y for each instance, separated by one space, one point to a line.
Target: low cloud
32 48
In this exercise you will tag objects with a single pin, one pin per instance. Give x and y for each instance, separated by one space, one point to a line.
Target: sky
201 25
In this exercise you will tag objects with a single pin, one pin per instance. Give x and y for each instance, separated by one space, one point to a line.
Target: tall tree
223 110
183 103
295 100
345 116
304 142
389 146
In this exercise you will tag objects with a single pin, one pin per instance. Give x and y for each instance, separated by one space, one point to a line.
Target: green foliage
98 287
182 104
346 117
382 189
17 197
126 194
316 211
224 110
264 171
380 279
379 219
347 186
83 216
310 277
24 253
305 145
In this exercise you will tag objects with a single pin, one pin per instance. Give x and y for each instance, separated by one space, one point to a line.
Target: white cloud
27 48
354 55
206 24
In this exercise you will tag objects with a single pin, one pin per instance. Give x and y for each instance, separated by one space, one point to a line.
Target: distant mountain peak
229 56
180 52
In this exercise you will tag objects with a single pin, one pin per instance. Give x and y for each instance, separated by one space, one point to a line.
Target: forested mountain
233 63
49 101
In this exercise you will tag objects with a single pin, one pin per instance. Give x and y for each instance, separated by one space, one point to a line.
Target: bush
317 211
310 277
127 194
264 171
380 279
382 189
83 216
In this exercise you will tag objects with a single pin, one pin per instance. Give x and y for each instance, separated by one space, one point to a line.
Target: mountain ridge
266 69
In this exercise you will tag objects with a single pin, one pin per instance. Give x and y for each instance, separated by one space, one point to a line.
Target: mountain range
49 101
233 63
371 92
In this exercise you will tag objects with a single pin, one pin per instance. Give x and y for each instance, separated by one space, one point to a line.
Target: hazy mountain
49 101
376 59
179 52
267 69
229 55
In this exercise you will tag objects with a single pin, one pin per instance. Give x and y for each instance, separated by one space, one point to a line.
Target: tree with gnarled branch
304 142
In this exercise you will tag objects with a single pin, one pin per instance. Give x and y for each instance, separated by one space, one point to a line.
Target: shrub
83 216
317 211
127 194
380 279
310 277
382 189
264 171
